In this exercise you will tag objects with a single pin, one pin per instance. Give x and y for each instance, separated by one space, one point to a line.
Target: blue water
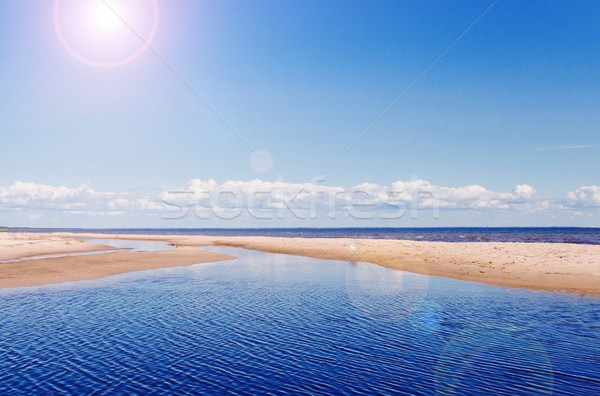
276 324
125 245
450 234
132 245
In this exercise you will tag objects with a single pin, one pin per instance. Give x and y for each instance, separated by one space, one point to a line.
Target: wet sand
542 266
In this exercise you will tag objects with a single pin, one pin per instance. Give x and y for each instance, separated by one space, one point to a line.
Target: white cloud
259 199
585 196
524 190
80 200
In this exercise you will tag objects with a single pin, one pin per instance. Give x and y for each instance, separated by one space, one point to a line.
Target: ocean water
450 234
278 324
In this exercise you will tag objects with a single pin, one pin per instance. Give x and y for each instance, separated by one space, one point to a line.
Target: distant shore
573 268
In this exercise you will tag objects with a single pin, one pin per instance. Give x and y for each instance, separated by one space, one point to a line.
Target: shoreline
71 265
572 268
21 246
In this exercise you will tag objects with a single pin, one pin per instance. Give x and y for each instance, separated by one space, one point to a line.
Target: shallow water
133 245
124 245
285 324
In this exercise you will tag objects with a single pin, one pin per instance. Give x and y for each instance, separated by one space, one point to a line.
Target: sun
105 33
102 18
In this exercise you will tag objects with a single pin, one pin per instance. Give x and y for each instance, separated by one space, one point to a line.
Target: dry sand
43 271
556 267
543 266
21 245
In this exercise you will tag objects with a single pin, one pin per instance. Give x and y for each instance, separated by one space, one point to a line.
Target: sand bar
23 245
571 268
543 266
38 272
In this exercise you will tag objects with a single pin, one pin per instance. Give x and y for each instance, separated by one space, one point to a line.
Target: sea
577 235
276 324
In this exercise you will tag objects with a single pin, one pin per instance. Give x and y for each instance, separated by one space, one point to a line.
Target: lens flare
105 33
102 18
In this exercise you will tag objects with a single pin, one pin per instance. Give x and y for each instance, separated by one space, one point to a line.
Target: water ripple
270 327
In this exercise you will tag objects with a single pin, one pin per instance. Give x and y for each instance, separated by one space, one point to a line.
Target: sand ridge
22 245
543 266
34 271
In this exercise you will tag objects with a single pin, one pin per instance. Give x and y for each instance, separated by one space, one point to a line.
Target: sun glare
105 33
102 18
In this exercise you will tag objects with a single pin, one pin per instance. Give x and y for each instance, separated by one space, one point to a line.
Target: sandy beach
34 271
573 268
23 245
570 268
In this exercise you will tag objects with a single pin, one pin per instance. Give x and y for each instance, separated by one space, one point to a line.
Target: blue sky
514 102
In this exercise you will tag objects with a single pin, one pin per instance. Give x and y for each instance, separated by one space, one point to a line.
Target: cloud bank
267 200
